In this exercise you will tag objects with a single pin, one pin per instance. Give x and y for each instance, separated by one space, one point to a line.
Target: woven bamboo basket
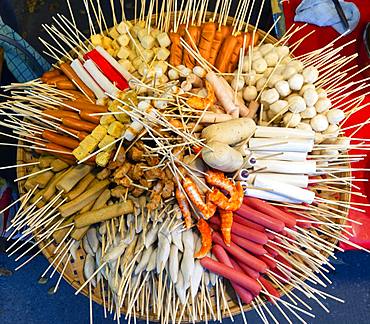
74 270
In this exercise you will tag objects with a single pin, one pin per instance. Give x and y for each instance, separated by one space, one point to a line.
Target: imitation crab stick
243 231
206 39
221 33
227 272
261 218
222 256
64 141
270 210
241 254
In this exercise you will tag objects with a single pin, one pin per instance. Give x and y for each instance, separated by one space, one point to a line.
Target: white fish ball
270 96
306 121
279 69
274 78
319 138
245 67
278 106
256 55
335 116
310 97
251 77
306 87
199 71
332 131
304 126
285 60
322 93
282 51
332 152
291 119
259 65
323 105
270 114
344 143
297 104
266 48
319 123
283 88
309 112
310 74
237 83
272 58
250 93
267 72
296 82
260 83
288 72
298 65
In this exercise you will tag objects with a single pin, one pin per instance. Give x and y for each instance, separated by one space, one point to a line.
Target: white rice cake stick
283 132
286 190
281 144
268 195
281 156
299 180
295 167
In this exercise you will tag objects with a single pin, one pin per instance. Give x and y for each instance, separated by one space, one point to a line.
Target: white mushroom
283 88
304 126
278 106
266 48
291 119
296 82
270 96
296 104
319 123
271 58
288 72
298 65
282 51
310 74
335 116
323 105
237 83
260 83
309 112
259 65
310 97
250 93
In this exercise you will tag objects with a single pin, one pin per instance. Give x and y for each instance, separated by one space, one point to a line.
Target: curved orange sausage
192 38
86 106
225 53
71 74
60 139
233 64
77 124
61 113
65 85
54 80
220 35
176 49
81 135
92 119
49 74
206 39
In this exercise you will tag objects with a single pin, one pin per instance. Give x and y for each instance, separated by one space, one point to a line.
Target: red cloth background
321 37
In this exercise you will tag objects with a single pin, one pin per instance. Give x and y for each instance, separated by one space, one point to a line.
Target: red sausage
240 254
248 223
243 231
256 249
239 278
270 263
247 270
272 252
222 256
60 139
260 218
270 288
270 210
77 124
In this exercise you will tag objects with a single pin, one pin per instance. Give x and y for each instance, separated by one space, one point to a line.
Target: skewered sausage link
176 49
65 85
220 35
49 74
236 51
244 268
85 106
78 125
60 139
55 79
88 117
61 113
225 53
206 235
191 37
81 135
206 39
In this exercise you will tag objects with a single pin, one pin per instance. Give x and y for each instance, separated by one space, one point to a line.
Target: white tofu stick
267 195
306 167
283 132
283 156
299 180
281 144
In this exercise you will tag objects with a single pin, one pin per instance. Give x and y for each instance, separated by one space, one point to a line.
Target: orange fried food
184 207
206 235
218 179
226 223
202 103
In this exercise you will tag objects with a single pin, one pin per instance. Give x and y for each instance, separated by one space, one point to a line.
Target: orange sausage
206 39
54 80
65 85
56 147
192 38
86 106
77 124
61 113
71 74
220 35
60 139
176 49
236 52
225 53
81 135
92 119
49 74
77 94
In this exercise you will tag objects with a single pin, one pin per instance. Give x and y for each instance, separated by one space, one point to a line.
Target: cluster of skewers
160 164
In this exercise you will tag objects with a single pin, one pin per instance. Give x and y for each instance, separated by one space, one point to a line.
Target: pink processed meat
239 278
244 268
248 245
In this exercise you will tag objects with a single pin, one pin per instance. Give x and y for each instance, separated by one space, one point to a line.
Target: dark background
23 300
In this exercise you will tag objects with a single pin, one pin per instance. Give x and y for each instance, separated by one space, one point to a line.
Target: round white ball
344 143
283 88
256 55
296 104
237 83
270 96
259 65
266 48
296 82
271 58
298 65
322 93
319 138
310 97
278 106
250 93
306 87
274 78
267 72
288 72
323 105
335 116
291 119
310 74
332 131
251 77
304 126
319 123
282 51
309 112
260 83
